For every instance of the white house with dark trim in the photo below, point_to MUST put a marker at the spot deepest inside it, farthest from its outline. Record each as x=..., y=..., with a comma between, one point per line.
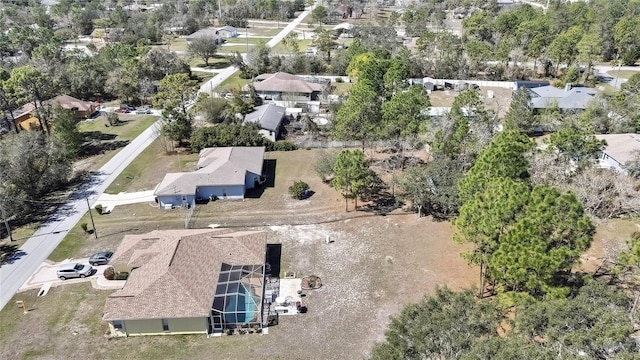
x=224, y=173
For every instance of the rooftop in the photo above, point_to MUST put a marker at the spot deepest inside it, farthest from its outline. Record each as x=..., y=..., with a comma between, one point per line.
x=287, y=83
x=567, y=98
x=176, y=271
x=621, y=147
x=216, y=166
x=267, y=116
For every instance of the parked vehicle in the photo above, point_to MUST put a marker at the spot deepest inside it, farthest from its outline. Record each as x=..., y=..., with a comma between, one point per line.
x=127, y=107
x=101, y=258
x=122, y=111
x=143, y=111
x=74, y=270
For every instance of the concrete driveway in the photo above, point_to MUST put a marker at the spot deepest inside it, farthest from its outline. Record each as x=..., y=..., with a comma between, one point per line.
x=45, y=277
x=110, y=201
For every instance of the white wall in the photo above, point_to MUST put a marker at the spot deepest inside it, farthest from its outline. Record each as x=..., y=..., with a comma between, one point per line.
x=250, y=180
x=175, y=200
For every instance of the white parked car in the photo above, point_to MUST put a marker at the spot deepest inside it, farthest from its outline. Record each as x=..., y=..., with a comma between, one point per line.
x=74, y=270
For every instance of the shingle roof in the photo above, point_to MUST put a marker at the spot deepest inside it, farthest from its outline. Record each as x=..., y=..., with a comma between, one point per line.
x=267, y=116
x=180, y=270
x=621, y=147
x=216, y=166
x=71, y=103
x=286, y=83
x=574, y=98
x=209, y=32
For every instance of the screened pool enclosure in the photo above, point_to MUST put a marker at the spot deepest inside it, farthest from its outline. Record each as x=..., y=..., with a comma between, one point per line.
x=238, y=299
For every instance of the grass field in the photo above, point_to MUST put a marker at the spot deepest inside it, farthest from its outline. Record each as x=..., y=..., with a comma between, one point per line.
x=623, y=74
x=232, y=82
x=218, y=62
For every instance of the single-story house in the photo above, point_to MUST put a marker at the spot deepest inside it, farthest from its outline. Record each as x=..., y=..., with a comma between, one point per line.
x=224, y=172
x=193, y=281
x=25, y=117
x=227, y=32
x=284, y=86
x=268, y=117
x=567, y=99
x=620, y=149
x=208, y=33
x=80, y=107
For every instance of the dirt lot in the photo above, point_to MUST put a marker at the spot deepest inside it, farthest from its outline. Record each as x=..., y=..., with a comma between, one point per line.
x=375, y=266
x=499, y=103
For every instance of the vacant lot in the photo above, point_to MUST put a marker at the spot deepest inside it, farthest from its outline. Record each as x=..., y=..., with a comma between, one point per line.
x=375, y=266
x=499, y=102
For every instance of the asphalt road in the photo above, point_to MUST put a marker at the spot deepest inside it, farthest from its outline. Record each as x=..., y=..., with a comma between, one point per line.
x=26, y=261
x=225, y=73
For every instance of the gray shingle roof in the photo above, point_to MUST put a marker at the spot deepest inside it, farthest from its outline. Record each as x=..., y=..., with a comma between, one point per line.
x=178, y=271
x=216, y=166
x=621, y=147
x=267, y=116
x=574, y=98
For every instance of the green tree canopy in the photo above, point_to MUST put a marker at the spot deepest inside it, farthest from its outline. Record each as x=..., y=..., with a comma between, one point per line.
x=352, y=175
x=359, y=118
x=204, y=48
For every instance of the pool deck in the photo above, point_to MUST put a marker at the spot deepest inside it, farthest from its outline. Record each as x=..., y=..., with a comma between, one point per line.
x=289, y=290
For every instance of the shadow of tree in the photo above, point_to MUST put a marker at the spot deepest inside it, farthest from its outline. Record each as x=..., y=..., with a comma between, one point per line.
x=10, y=253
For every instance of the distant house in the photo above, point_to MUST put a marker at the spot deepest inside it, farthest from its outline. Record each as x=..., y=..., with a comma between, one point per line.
x=25, y=117
x=620, y=149
x=225, y=173
x=567, y=99
x=227, y=32
x=284, y=86
x=195, y=281
x=208, y=33
x=268, y=117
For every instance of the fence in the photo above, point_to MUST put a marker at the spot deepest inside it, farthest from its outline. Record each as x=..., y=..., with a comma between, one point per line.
x=190, y=209
x=482, y=83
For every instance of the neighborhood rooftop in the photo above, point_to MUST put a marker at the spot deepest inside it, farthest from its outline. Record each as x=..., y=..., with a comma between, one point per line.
x=267, y=116
x=621, y=147
x=284, y=82
x=176, y=271
x=216, y=166
x=567, y=98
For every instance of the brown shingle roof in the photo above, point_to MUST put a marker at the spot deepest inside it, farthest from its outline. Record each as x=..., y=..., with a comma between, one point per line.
x=287, y=83
x=621, y=147
x=178, y=271
x=71, y=103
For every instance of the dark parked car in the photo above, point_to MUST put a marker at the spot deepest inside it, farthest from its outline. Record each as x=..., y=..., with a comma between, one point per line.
x=101, y=258
x=127, y=107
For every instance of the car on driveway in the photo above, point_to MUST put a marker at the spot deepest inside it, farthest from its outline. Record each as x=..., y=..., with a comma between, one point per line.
x=143, y=111
x=122, y=111
x=74, y=270
x=101, y=258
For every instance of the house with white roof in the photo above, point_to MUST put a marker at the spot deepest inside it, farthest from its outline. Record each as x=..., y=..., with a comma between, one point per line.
x=224, y=173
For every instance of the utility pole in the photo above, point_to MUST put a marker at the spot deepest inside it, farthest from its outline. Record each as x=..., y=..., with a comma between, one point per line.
x=6, y=222
x=95, y=232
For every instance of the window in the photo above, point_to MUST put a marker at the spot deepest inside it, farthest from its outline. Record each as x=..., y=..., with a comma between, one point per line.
x=117, y=324
x=165, y=325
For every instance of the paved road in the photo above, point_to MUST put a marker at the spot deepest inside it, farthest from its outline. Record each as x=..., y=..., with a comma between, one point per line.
x=225, y=73
x=602, y=70
x=31, y=255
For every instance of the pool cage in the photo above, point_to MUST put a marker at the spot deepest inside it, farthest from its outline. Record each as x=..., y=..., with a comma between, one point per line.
x=237, y=302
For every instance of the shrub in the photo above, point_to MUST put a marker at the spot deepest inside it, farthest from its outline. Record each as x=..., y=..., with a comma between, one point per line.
x=339, y=80
x=99, y=209
x=84, y=227
x=109, y=273
x=284, y=146
x=298, y=189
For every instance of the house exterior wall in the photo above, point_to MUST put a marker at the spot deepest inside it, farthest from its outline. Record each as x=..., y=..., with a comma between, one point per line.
x=270, y=135
x=222, y=192
x=175, y=200
x=250, y=180
x=276, y=95
x=227, y=34
x=177, y=326
x=611, y=163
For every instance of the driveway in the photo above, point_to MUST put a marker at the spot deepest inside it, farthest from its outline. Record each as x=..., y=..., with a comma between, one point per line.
x=45, y=277
x=110, y=201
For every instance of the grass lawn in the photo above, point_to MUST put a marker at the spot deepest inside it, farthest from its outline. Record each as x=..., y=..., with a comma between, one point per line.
x=113, y=138
x=201, y=76
x=341, y=88
x=244, y=41
x=623, y=74
x=233, y=82
x=217, y=62
x=73, y=242
x=261, y=31
x=235, y=48
x=178, y=44
x=282, y=49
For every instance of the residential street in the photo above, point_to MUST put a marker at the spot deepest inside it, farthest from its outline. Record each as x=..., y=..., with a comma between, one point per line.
x=31, y=255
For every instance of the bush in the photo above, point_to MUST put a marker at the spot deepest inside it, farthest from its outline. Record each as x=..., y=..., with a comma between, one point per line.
x=298, y=189
x=339, y=80
x=109, y=273
x=84, y=227
x=284, y=146
x=99, y=209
